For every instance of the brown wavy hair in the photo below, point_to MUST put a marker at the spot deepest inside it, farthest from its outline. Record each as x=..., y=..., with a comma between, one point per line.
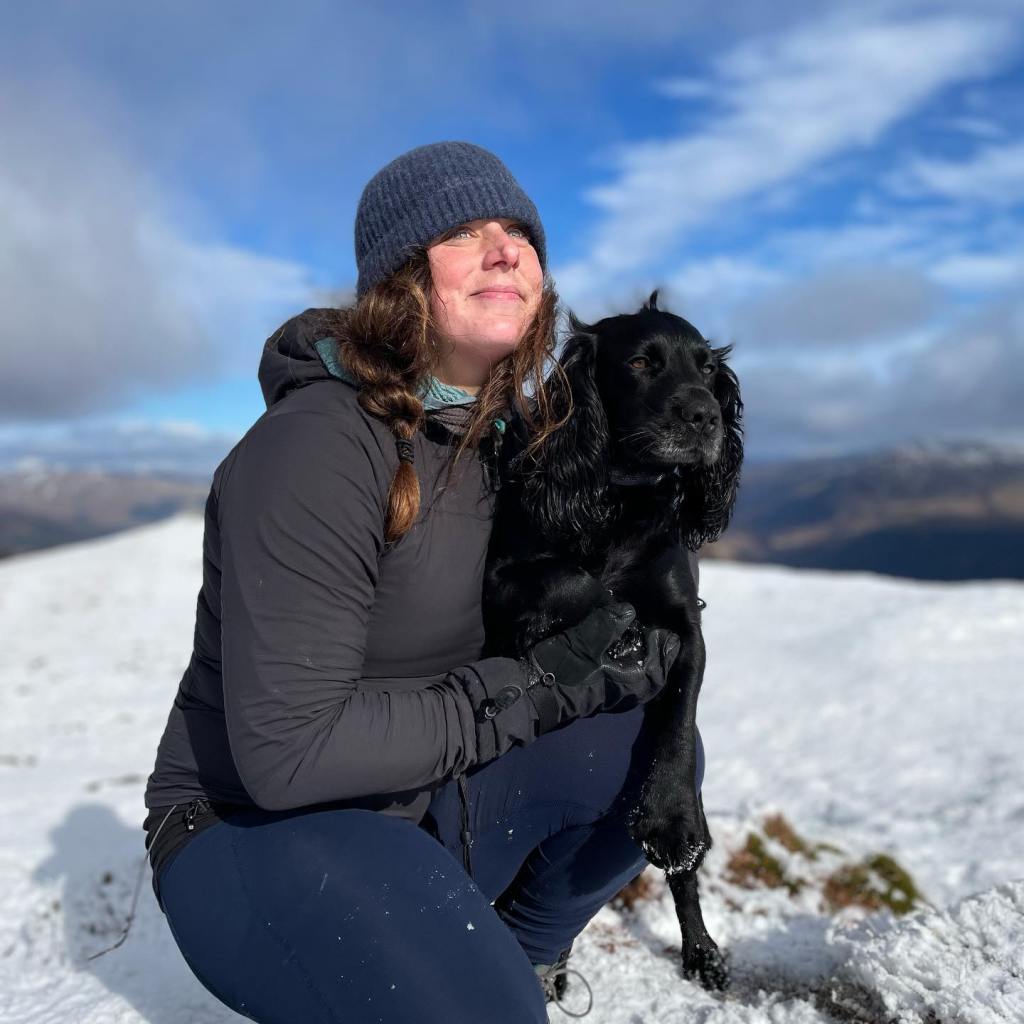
x=389, y=341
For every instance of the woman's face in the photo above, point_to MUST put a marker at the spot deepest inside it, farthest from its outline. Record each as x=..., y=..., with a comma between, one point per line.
x=487, y=284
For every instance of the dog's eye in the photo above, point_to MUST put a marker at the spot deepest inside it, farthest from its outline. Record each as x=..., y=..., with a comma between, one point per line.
x=639, y=362
x=708, y=368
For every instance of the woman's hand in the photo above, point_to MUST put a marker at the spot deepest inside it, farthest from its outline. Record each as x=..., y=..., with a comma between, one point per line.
x=572, y=674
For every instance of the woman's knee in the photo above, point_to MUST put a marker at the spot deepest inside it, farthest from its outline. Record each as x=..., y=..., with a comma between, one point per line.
x=364, y=910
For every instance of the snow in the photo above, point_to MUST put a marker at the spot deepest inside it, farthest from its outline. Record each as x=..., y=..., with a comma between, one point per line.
x=876, y=715
x=979, y=943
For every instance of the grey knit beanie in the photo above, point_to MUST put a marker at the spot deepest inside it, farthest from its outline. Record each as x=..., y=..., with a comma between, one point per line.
x=424, y=193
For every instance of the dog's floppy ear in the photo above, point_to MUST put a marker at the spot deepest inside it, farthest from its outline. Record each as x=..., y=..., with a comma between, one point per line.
x=709, y=492
x=564, y=488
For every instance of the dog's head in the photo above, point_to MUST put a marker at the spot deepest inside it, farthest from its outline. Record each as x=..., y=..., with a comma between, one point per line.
x=649, y=396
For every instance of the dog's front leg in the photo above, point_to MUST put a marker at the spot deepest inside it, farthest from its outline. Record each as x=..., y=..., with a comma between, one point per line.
x=667, y=822
x=701, y=957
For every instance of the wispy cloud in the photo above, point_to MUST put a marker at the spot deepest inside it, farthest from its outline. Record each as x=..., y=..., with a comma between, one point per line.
x=783, y=105
x=981, y=127
x=994, y=175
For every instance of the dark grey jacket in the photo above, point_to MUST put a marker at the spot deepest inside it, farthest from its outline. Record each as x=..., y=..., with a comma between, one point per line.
x=327, y=667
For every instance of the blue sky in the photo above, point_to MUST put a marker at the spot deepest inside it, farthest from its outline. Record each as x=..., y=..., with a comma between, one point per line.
x=838, y=192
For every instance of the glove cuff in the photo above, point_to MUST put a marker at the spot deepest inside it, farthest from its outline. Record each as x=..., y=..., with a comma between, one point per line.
x=541, y=691
x=495, y=688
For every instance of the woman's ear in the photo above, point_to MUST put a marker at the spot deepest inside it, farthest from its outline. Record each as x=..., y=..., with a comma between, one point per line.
x=564, y=488
x=709, y=492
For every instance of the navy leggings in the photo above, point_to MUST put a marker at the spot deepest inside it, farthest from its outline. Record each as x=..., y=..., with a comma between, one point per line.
x=352, y=915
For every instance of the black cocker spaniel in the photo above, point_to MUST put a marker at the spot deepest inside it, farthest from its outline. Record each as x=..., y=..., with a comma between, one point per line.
x=612, y=507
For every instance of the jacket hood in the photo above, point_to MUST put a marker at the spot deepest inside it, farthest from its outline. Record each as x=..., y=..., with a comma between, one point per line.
x=290, y=358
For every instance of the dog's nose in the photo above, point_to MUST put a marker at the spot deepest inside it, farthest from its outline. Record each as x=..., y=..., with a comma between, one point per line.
x=702, y=414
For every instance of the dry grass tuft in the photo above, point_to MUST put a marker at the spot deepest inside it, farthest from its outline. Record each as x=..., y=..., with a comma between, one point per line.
x=641, y=890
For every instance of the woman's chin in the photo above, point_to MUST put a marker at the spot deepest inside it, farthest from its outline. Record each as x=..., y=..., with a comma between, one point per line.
x=498, y=341
x=497, y=349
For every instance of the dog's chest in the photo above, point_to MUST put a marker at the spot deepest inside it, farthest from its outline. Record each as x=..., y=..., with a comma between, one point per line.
x=657, y=576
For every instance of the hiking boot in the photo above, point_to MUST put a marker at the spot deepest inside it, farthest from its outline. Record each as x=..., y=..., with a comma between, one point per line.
x=554, y=979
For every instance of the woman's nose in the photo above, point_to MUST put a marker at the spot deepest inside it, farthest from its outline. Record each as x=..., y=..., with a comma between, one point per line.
x=501, y=248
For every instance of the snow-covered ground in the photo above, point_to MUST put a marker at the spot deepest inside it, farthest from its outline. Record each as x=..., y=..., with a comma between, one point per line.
x=875, y=715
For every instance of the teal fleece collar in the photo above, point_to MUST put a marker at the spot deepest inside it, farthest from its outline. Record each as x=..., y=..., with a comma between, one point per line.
x=434, y=394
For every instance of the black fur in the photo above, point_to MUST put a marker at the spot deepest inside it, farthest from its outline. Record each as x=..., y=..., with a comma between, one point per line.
x=613, y=507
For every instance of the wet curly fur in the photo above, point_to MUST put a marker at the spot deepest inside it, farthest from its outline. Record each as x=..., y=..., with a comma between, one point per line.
x=612, y=507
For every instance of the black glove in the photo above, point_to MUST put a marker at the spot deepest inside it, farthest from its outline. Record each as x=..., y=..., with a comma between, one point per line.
x=573, y=674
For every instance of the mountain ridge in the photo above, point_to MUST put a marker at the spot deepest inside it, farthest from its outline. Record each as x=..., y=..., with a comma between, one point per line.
x=925, y=510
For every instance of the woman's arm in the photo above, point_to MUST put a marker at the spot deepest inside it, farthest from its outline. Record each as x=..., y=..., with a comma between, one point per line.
x=300, y=510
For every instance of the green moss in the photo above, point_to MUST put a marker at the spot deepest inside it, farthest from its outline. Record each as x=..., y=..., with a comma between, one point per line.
x=826, y=847
x=754, y=866
x=876, y=882
x=901, y=894
x=776, y=827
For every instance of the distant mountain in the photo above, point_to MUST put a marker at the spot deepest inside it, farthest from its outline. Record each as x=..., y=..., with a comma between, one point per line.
x=935, y=512
x=41, y=508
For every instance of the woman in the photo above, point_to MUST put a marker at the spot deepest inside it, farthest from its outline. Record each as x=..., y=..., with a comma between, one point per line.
x=336, y=742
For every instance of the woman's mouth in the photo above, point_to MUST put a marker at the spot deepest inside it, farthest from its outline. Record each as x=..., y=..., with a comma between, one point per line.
x=500, y=294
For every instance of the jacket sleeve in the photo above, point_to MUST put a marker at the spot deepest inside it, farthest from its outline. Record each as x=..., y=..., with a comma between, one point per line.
x=301, y=516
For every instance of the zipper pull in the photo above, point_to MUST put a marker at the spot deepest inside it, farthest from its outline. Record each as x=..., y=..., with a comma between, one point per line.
x=190, y=815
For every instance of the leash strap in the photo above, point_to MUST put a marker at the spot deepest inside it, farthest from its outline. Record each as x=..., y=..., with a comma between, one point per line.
x=135, y=895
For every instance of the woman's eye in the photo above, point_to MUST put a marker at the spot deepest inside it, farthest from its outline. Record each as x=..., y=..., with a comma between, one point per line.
x=520, y=231
x=639, y=362
x=461, y=233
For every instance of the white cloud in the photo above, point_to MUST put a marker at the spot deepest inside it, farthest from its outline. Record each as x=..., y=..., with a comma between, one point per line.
x=723, y=277
x=107, y=287
x=978, y=271
x=842, y=306
x=994, y=175
x=816, y=285
x=981, y=127
x=881, y=240
x=788, y=102
x=956, y=251
x=960, y=381
x=707, y=291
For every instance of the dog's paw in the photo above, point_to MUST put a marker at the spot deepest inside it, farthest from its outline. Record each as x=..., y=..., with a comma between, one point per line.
x=671, y=840
x=703, y=961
